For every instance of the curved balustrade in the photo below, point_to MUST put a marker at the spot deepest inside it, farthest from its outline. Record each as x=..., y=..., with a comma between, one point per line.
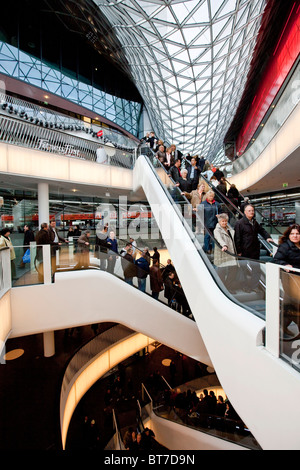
x=170, y=405
x=91, y=362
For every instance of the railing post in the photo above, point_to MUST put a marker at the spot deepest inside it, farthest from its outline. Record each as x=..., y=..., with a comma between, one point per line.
x=71, y=248
x=47, y=264
x=273, y=309
x=6, y=267
x=32, y=247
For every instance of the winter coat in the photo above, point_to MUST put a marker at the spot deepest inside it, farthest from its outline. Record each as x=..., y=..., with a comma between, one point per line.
x=82, y=247
x=246, y=237
x=156, y=280
x=42, y=238
x=142, y=268
x=175, y=173
x=194, y=197
x=288, y=253
x=222, y=236
x=129, y=268
x=101, y=245
x=210, y=213
x=6, y=241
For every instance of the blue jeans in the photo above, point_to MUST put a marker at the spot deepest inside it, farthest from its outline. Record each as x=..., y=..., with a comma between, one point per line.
x=208, y=241
x=142, y=284
x=128, y=280
x=155, y=295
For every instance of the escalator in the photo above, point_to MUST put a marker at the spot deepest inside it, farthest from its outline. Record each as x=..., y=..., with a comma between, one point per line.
x=249, y=286
x=231, y=324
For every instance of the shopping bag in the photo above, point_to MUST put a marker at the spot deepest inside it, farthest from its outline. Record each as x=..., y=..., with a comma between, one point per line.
x=26, y=256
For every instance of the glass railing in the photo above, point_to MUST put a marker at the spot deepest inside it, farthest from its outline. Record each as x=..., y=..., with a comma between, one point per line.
x=39, y=264
x=50, y=140
x=28, y=265
x=175, y=406
x=234, y=213
x=289, y=316
x=241, y=279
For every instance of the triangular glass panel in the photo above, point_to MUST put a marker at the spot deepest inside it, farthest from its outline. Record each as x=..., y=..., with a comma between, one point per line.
x=200, y=14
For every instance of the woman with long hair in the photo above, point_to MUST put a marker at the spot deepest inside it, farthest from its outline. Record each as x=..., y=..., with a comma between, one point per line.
x=288, y=253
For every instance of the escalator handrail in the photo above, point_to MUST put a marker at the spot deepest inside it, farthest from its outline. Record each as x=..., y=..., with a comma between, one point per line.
x=205, y=259
x=196, y=215
x=258, y=211
x=227, y=201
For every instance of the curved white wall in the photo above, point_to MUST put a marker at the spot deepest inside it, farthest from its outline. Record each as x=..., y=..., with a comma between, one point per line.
x=175, y=436
x=92, y=296
x=255, y=381
x=49, y=166
x=283, y=144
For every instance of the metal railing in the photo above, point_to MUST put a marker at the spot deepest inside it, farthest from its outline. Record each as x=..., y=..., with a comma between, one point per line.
x=22, y=109
x=25, y=134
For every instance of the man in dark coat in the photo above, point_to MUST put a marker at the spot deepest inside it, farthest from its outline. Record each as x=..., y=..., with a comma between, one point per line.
x=28, y=237
x=143, y=269
x=129, y=268
x=247, y=244
x=193, y=173
x=174, y=171
x=42, y=238
x=169, y=288
x=101, y=246
x=156, y=280
x=55, y=240
x=246, y=235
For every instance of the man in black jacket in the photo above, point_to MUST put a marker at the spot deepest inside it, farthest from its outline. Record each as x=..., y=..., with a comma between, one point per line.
x=28, y=237
x=42, y=238
x=193, y=173
x=246, y=234
x=174, y=171
x=55, y=240
x=247, y=245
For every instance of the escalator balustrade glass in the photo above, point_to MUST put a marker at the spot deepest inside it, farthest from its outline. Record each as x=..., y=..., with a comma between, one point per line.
x=290, y=317
x=243, y=280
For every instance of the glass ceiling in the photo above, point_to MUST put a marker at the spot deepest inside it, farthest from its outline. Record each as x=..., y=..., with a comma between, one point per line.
x=189, y=60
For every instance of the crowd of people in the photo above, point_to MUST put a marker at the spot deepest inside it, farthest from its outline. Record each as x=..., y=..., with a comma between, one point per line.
x=141, y=265
x=137, y=441
x=191, y=175
x=206, y=410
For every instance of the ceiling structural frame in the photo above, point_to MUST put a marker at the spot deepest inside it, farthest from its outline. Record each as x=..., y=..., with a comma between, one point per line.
x=190, y=61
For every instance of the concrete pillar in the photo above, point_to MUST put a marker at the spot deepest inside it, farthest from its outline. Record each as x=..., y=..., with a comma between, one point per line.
x=43, y=203
x=49, y=343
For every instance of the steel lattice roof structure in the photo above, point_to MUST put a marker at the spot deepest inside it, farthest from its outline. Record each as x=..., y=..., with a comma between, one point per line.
x=189, y=60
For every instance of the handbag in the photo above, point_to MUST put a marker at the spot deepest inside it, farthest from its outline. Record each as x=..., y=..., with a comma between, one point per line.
x=26, y=256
